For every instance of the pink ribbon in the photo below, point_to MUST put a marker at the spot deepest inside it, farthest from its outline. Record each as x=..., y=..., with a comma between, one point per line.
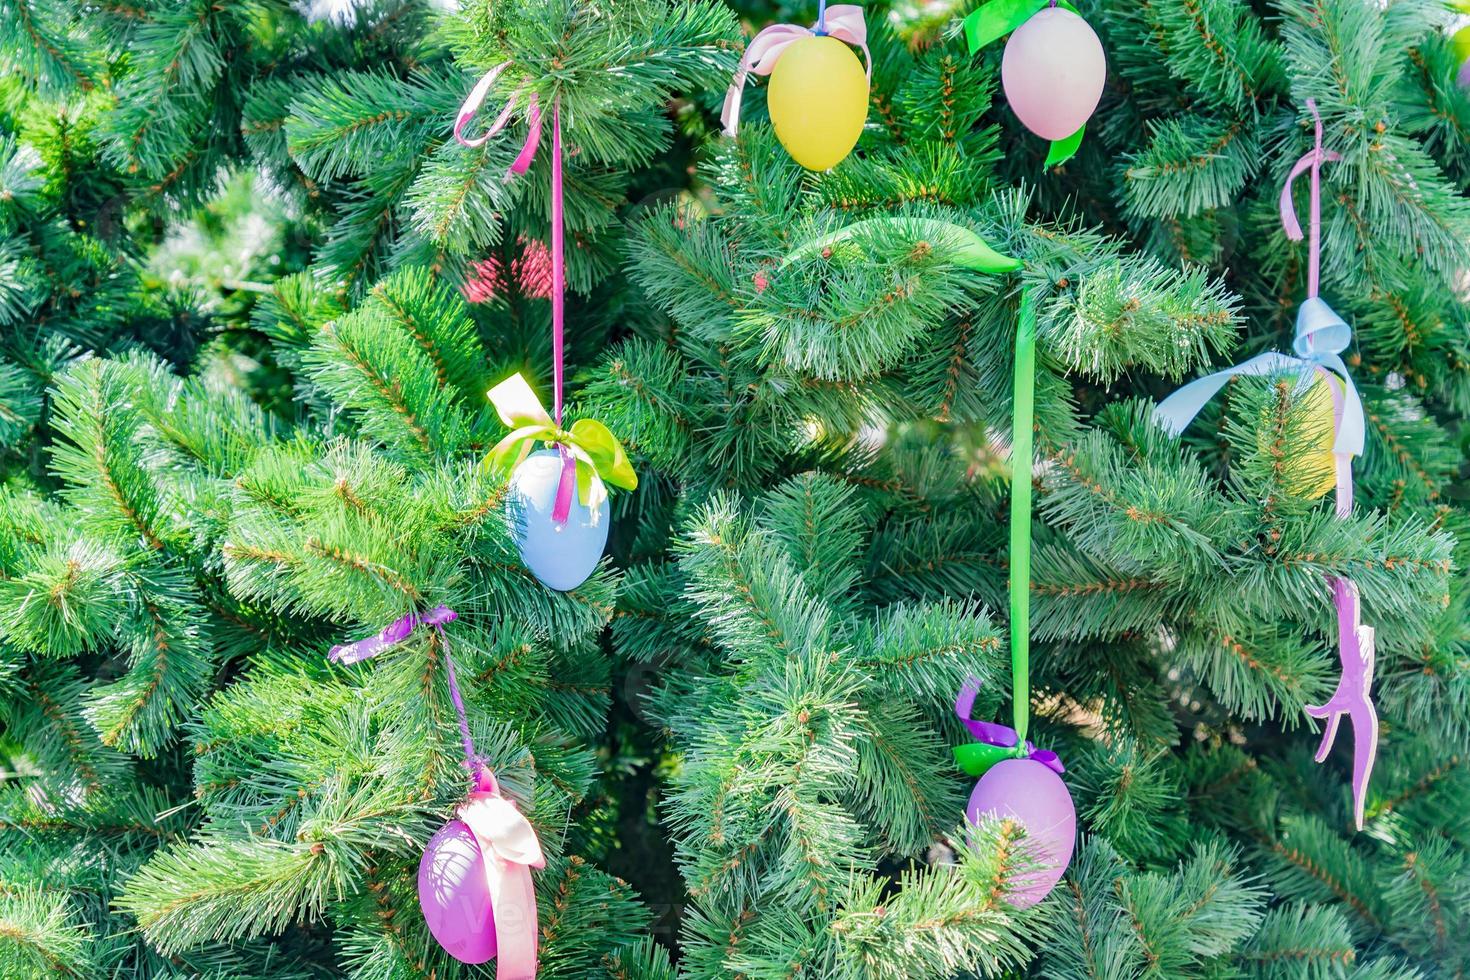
x=1313, y=159
x=844, y=22
x=471, y=107
x=1353, y=697
x=562, y=509
x=510, y=849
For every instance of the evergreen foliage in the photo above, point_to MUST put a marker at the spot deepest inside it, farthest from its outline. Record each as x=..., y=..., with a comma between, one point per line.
x=251, y=296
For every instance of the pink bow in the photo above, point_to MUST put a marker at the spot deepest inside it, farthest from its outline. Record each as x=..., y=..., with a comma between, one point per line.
x=844, y=22
x=510, y=849
x=1313, y=159
x=472, y=106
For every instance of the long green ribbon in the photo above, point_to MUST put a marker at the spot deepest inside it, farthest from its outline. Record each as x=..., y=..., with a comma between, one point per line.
x=994, y=20
x=1023, y=408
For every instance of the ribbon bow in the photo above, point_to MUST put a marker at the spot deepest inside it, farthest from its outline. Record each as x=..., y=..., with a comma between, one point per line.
x=587, y=448
x=1321, y=335
x=844, y=22
x=996, y=742
x=472, y=104
x=510, y=849
x=391, y=635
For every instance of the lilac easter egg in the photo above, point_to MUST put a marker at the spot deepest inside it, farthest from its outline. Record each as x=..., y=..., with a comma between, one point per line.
x=1053, y=72
x=1036, y=796
x=455, y=895
x=562, y=556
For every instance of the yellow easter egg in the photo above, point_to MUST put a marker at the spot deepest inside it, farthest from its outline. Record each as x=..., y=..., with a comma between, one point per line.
x=818, y=100
x=1312, y=472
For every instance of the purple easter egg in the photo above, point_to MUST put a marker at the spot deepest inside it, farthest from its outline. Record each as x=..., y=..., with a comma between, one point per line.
x=1053, y=72
x=1036, y=796
x=455, y=895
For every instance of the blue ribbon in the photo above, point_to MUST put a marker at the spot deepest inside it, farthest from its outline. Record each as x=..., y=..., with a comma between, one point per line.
x=1321, y=337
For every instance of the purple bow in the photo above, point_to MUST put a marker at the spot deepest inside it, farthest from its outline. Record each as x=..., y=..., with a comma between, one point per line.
x=397, y=632
x=1000, y=736
x=394, y=633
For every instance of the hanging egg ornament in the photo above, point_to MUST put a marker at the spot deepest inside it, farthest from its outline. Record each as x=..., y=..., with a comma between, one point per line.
x=818, y=101
x=1311, y=472
x=475, y=885
x=561, y=555
x=1053, y=72
x=453, y=894
x=1033, y=794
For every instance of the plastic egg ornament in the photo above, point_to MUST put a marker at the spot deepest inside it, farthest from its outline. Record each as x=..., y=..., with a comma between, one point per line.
x=1053, y=72
x=1312, y=472
x=455, y=895
x=561, y=555
x=818, y=101
x=1030, y=792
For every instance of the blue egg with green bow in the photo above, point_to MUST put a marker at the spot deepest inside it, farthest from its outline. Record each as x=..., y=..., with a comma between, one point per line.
x=561, y=555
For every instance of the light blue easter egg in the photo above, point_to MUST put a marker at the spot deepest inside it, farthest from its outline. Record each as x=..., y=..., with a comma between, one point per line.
x=562, y=556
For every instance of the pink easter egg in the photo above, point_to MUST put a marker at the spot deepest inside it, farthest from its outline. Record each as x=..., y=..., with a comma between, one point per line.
x=1053, y=72
x=455, y=895
x=1032, y=793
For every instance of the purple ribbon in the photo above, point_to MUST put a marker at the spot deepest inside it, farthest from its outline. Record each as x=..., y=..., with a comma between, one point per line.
x=1000, y=736
x=395, y=633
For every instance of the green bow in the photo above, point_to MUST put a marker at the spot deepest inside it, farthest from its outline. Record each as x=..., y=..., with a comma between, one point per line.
x=591, y=444
x=993, y=21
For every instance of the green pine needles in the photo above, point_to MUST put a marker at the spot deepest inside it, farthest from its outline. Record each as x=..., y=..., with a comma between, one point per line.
x=252, y=294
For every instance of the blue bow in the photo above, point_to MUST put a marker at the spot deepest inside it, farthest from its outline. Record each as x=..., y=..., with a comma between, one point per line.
x=1321, y=337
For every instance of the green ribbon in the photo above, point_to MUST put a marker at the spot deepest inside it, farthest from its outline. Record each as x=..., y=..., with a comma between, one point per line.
x=965, y=247
x=1023, y=408
x=992, y=21
x=977, y=758
x=591, y=444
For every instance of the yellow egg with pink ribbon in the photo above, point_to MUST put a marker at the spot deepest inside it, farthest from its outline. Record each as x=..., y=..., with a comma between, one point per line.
x=818, y=93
